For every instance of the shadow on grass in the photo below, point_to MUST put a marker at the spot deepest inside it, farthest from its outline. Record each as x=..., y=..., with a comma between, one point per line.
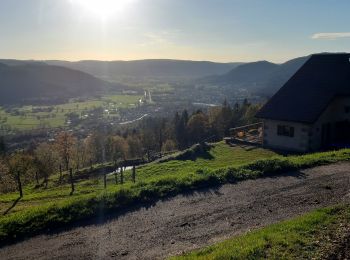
x=196, y=152
x=12, y=206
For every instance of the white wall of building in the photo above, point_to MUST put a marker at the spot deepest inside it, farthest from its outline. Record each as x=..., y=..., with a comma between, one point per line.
x=307, y=137
x=299, y=142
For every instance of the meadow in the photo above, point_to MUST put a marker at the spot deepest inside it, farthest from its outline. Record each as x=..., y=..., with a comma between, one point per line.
x=195, y=168
x=221, y=155
x=33, y=117
x=304, y=237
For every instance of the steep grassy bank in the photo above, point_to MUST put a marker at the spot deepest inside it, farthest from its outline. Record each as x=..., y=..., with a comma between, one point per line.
x=305, y=237
x=215, y=157
x=156, y=180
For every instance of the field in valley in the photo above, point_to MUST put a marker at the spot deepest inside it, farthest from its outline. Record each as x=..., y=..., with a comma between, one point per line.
x=33, y=117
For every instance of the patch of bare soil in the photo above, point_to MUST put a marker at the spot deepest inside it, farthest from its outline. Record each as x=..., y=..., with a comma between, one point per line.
x=336, y=244
x=193, y=220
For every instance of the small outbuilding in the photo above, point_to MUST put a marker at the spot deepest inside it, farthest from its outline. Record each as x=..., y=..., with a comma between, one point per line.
x=312, y=110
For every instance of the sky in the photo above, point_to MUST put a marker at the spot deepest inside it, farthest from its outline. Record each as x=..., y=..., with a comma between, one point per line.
x=215, y=30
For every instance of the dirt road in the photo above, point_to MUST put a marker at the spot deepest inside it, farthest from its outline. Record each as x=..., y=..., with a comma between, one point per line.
x=190, y=221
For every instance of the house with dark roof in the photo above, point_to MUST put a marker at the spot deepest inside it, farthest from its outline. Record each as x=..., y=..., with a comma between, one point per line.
x=312, y=110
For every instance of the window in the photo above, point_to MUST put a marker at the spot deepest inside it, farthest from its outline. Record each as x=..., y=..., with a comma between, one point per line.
x=285, y=130
x=347, y=109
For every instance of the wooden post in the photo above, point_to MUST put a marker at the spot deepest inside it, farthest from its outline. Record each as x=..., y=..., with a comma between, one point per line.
x=121, y=175
x=105, y=180
x=71, y=181
x=133, y=174
x=116, y=175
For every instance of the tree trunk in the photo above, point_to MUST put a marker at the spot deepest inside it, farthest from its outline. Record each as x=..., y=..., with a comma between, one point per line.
x=78, y=164
x=60, y=172
x=71, y=181
x=19, y=183
x=46, y=181
x=36, y=177
x=67, y=164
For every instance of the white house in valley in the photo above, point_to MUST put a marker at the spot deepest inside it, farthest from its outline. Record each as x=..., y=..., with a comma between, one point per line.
x=312, y=110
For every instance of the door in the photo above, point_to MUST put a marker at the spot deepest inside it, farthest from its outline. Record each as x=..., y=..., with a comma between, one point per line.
x=342, y=133
x=326, y=135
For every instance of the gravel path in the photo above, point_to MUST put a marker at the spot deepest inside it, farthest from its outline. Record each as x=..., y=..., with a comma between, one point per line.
x=190, y=221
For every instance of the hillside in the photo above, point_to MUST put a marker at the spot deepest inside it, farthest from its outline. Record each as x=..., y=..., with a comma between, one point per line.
x=246, y=75
x=37, y=82
x=224, y=190
x=262, y=77
x=159, y=69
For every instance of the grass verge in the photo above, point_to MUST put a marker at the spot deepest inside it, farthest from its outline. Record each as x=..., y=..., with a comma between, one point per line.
x=303, y=237
x=50, y=215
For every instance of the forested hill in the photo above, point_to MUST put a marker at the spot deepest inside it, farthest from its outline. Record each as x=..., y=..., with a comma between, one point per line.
x=161, y=69
x=247, y=74
x=35, y=82
x=262, y=77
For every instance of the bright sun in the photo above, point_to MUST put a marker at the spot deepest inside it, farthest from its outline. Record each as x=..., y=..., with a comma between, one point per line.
x=103, y=8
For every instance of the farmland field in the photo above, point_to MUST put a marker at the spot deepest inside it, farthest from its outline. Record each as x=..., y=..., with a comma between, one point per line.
x=33, y=117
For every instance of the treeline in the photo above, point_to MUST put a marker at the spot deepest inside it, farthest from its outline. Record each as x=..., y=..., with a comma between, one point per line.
x=152, y=135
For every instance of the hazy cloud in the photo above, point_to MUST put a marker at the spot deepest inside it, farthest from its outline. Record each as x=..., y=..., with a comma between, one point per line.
x=330, y=36
x=160, y=37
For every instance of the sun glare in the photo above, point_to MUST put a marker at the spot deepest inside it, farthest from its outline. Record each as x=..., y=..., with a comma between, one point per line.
x=103, y=8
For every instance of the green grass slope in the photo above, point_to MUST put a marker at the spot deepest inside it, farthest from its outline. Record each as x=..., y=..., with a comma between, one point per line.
x=41, y=208
x=304, y=237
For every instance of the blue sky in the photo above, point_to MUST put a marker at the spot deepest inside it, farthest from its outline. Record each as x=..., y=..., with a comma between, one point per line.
x=217, y=30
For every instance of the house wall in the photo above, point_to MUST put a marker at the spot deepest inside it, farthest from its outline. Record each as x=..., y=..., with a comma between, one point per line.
x=298, y=143
x=307, y=137
x=335, y=112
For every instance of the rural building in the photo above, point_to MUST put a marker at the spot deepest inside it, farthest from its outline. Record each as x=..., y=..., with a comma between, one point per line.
x=312, y=110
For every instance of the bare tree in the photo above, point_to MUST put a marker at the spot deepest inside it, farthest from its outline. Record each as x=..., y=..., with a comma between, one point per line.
x=46, y=159
x=18, y=165
x=65, y=143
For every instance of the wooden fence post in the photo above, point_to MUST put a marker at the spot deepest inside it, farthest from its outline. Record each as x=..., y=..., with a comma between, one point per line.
x=116, y=175
x=105, y=179
x=133, y=174
x=121, y=175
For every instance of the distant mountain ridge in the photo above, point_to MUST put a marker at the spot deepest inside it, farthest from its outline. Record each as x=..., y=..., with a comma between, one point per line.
x=248, y=73
x=261, y=77
x=38, y=81
x=162, y=69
